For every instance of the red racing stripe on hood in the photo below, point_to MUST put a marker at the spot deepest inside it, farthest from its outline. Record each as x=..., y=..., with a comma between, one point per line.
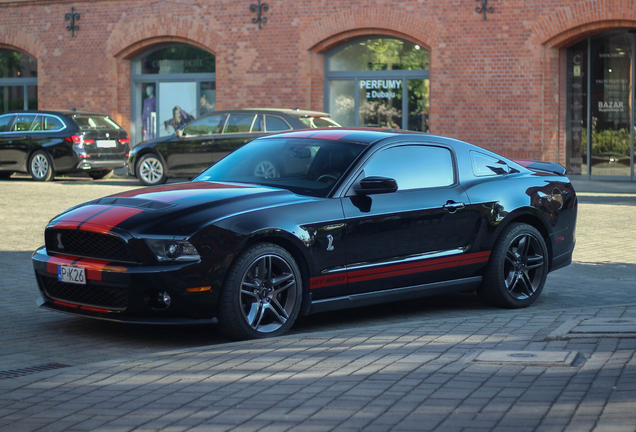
x=75, y=217
x=109, y=218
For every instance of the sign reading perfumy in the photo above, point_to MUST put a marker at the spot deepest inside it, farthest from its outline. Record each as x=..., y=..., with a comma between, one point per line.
x=380, y=88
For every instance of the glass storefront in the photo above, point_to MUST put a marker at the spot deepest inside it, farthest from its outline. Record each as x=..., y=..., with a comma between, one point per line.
x=18, y=81
x=600, y=115
x=172, y=85
x=379, y=82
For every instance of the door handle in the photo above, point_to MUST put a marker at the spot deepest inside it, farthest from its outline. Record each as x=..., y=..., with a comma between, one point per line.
x=452, y=206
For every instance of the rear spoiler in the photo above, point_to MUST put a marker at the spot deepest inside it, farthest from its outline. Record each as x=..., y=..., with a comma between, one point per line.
x=551, y=167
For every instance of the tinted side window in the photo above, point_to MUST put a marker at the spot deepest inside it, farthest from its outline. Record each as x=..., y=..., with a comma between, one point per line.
x=5, y=122
x=273, y=124
x=52, y=123
x=23, y=122
x=238, y=123
x=413, y=166
x=37, y=124
x=205, y=126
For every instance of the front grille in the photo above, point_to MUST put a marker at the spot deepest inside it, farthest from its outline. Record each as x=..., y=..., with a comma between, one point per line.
x=91, y=294
x=88, y=244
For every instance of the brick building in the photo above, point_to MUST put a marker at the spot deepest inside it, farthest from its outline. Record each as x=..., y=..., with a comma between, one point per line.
x=547, y=80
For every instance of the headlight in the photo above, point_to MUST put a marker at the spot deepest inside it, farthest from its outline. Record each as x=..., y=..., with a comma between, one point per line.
x=173, y=250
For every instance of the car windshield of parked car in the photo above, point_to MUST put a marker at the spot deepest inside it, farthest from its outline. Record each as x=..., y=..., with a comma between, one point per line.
x=303, y=166
x=90, y=122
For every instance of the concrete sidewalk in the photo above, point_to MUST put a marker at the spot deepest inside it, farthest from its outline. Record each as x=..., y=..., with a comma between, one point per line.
x=568, y=363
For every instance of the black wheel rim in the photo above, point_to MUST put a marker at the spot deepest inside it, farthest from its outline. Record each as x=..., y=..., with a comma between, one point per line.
x=268, y=293
x=524, y=266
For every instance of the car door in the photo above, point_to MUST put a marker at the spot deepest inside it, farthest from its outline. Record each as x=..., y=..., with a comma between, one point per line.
x=195, y=149
x=15, y=143
x=413, y=236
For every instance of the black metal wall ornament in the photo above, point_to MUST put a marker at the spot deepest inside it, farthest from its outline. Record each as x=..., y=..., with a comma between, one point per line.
x=72, y=17
x=484, y=8
x=259, y=9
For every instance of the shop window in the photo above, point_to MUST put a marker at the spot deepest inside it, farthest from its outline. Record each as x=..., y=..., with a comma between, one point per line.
x=379, y=82
x=599, y=134
x=18, y=81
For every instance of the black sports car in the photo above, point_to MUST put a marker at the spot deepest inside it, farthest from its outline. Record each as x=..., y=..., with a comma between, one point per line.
x=349, y=217
x=46, y=143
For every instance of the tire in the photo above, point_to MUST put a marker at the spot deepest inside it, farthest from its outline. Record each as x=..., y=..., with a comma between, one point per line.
x=517, y=268
x=261, y=294
x=100, y=174
x=151, y=170
x=41, y=167
x=266, y=169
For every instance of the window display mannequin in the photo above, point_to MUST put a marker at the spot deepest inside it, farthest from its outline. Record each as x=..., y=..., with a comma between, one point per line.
x=149, y=113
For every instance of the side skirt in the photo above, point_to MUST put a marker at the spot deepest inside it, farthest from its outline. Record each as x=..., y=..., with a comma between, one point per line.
x=393, y=295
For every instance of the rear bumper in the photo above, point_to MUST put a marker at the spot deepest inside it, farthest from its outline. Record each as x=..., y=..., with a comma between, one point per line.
x=85, y=164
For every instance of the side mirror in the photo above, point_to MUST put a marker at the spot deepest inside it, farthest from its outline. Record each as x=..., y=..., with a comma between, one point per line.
x=376, y=185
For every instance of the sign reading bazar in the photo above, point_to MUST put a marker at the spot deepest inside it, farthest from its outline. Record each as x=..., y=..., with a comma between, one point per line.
x=381, y=88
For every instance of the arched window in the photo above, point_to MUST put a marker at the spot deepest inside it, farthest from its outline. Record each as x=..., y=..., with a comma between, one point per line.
x=18, y=81
x=168, y=79
x=379, y=81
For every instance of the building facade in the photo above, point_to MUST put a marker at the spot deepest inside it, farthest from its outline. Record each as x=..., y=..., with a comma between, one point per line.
x=550, y=80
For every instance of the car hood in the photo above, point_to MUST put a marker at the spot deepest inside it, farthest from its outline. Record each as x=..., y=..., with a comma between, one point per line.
x=172, y=210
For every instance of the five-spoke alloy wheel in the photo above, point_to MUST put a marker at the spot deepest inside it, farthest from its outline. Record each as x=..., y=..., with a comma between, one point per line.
x=262, y=293
x=517, y=268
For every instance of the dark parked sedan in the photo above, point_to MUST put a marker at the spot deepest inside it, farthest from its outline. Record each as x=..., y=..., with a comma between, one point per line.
x=351, y=217
x=206, y=140
x=46, y=143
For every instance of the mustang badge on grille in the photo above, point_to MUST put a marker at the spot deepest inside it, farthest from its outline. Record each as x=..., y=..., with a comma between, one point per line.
x=60, y=245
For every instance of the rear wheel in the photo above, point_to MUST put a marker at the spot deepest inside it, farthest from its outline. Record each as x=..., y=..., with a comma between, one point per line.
x=41, y=167
x=100, y=174
x=151, y=171
x=517, y=269
x=261, y=295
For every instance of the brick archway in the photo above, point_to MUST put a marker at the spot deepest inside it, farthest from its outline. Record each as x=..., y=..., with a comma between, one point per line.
x=331, y=31
x=573, y=23
x=128, y=40
x=20, y=41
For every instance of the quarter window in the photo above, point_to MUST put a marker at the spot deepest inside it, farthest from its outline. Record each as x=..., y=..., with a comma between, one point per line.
x=52, y=124
x=273, y=124
x=484, y=165
x=413, y=167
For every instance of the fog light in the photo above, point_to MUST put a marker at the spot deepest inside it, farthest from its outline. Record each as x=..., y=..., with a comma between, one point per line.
x=166, y=298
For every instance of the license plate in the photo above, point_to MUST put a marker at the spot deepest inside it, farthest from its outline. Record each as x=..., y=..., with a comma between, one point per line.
x=71, y=274
x=106, y=143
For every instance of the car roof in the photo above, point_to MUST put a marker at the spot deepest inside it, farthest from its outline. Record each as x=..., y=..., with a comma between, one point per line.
x=288, y=111
x=67, y=112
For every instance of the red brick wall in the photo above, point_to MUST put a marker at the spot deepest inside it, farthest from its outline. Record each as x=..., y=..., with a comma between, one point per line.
x=495, y=82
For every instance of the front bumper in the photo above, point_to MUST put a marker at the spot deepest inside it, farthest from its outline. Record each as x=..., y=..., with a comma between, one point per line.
x=127, y=293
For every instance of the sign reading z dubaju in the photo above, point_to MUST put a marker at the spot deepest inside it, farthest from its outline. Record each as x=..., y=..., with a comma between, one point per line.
x=381, y=88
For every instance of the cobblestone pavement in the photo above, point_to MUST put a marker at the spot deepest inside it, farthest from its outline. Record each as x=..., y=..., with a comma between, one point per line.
x=404, y=367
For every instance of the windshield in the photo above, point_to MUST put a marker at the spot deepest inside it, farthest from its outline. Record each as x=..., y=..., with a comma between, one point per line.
x=303, y=166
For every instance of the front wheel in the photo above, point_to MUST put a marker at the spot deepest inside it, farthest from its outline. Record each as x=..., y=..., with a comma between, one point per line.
x=517, y=269
x=261, y=295
x=41, y=167
x=151, y=171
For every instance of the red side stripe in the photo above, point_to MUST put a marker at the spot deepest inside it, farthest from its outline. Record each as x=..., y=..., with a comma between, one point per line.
x=398, y=270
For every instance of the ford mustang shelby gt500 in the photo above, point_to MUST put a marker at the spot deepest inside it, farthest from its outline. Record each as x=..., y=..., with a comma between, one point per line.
x=310, y=221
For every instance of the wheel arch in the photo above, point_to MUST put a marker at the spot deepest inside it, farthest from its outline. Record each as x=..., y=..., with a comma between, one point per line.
x=292, y=245
x=532, y=218
x=144, y=152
